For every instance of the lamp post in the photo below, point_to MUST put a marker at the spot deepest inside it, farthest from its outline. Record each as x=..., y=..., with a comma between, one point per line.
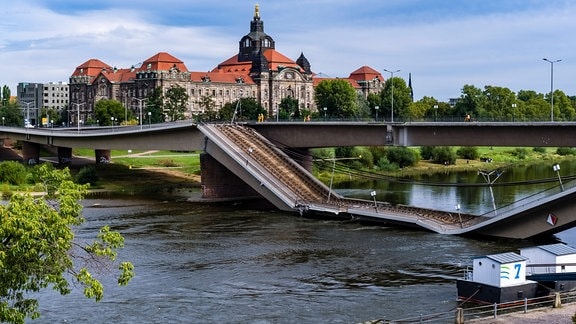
x=486, y=175
x=373, y=194
x=392, y=93
x=149, y=119
x=140, y=104
x=551, y=86
x=28, y=110
x=376, y=109
x=3, y=119
x=112, y=119
x=513, y=112
x=556, y=167
x=325, y=110
x=78, y=110
x=435, y=113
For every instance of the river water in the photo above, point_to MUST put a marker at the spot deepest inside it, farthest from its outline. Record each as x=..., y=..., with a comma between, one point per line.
x=200, y=263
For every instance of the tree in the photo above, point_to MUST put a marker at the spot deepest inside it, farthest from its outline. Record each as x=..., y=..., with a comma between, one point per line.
x=402, y=98
x=338, y=97
x=497, y=104
x=208, y=106
x=105, y=109
x=5, y=95
x=176, y=101
x=38, y=251
x=155, y=105
x=470, y=102
x=289, y=108
x=11, y=114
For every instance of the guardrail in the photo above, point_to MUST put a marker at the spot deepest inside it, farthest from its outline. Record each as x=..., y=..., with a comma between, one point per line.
x=462, y=314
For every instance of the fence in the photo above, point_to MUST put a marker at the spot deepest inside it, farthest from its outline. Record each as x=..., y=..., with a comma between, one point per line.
x=463, y=313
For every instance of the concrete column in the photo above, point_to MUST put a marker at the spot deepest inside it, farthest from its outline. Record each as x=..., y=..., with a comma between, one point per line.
x=459, y=316
x=557, y=300
x=31, y=153
x=218, y=182
x=64, y=156
x=102, y=156
x=302, y=156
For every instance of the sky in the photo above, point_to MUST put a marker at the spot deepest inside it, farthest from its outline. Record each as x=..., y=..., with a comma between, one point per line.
x=442, y=44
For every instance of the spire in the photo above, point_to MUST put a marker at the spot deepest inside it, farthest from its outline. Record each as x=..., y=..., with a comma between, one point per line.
x=257, y=12
x=410, y=86
x=302, y=61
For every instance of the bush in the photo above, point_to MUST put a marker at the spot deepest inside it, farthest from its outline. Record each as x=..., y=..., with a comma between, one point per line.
x=539, y=150
x=468, y=152
x=87, y=175
x=13, y=172
x=443, y=155
x=402, y=156
x=426, y=152
x=565, y=151
x=385, y=165
x=520, y=153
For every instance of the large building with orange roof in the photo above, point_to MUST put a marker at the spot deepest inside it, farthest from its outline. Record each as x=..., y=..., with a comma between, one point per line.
x=257, y=71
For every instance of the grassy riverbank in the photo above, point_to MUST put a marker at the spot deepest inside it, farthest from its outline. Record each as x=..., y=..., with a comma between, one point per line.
x=143, y=170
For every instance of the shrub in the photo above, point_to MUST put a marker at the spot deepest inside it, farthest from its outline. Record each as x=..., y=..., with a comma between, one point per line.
x=539, y=150
x=443, y=155
x=468, y=152
x=565, y=151
x=87, y=175
x=402, y=156
x=521, y=153
x=12, y=172
x=426, y=152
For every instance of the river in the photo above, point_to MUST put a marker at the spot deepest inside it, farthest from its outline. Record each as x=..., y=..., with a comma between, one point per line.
x=201, y=263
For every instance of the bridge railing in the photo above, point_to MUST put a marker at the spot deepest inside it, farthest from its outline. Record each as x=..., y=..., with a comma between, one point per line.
x=537, y=197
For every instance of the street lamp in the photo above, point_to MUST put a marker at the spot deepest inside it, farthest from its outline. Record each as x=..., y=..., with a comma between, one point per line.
x=551, y=86
x=325, y=109
x=3, y=119
x=435, y=112
x=513, y=112
x=140, y=102
x=392, y=96
x=28, y=110
x=556, y=167
x=78, y=110
x=149, y=119
x=373, y=194
x=112, y=119
x=376, y=109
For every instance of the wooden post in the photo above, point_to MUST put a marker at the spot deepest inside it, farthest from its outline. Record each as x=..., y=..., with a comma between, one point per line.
x=459, y=316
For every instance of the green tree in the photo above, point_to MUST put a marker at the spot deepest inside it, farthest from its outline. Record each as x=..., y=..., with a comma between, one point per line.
x=338, y=97
x=11, y=114
x=497, y=104
x=289, y=108
x=208, y=106
x=563, y=109
x=402, y=98
x=105, y=109
x=175, y=103
x=5, y=95
x=155, y=106
x=532, y=106
x=470, y=102
x=38, y=251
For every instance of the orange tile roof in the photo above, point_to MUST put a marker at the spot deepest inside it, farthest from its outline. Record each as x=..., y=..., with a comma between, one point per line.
x=365, y=73
x=163, y=61
x=120, y=75
x=92, y=68
x=275, y=60
x=232, y=65
x=220, y=77
x=352, y=82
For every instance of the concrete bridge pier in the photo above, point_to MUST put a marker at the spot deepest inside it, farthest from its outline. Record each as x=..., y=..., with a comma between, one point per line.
x=302, y=156
x=64, y=156
x=102, y=156
x=218, y=182
x=30, y=153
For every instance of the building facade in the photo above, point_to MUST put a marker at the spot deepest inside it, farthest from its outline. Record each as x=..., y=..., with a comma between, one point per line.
x=257, y=71
x=32, y=97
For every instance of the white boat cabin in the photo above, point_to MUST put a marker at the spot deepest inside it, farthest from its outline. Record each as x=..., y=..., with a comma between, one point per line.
x=500, y=270
x=551, y=258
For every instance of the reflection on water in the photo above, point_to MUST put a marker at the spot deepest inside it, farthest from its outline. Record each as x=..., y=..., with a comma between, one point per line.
x=205, y=264
x=199, y=263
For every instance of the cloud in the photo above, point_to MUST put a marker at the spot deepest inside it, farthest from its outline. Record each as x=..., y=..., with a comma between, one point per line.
x=444, y=45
